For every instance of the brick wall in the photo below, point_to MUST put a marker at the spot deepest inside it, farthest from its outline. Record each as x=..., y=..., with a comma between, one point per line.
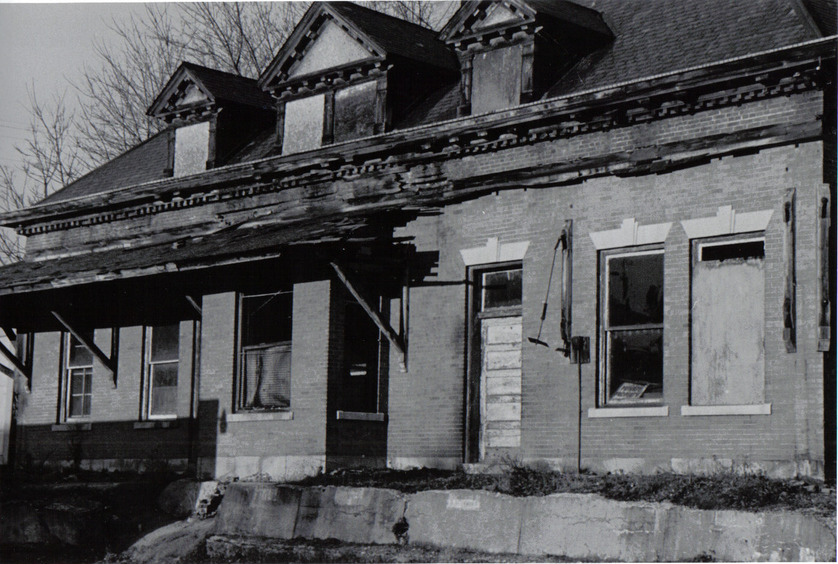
x=426, y=404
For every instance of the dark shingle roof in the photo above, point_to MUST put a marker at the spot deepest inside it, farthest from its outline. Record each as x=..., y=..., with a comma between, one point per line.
x=397, y=36
x=657, y=36
x=230, y=87
x=144, y=163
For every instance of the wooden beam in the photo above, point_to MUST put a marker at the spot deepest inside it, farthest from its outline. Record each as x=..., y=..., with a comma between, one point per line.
x=12, y=357
x=10, y=333
x=7, y=371
x=376, y=317
x=90, y=345
x=194, y=304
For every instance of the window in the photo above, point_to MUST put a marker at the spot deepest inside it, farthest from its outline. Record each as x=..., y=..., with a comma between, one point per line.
x=303, y=124
x=265, y=351
x=500, y=289
x=631, y=334
x=728, y=321
x=78, y=377
x=191, y=148
x=496, y=79
x=162, y=353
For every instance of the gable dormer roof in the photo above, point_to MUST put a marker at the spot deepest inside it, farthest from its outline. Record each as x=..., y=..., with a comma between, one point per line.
x=369, y=35
x=478, y=17
x=193, y=87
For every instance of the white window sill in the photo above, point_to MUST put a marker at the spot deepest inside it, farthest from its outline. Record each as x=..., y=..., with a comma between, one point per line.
x=359, y=416
x=608, y=412
x=156, y=424
x=696, y=410
x=71, y=426
x=260, y=416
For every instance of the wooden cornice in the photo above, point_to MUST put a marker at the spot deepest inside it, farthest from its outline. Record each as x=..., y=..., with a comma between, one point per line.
x=733, y=82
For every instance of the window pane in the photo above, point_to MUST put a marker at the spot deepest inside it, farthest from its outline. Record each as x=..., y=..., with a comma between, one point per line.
x=76, y=406
x=635, y=290
x=635, y=365
x=266, y=319
x=164, y=375
x=502, y=288
x=267, y=377
x=164, y=342
x=78, y=354
x=76, y=382
x=164, y=389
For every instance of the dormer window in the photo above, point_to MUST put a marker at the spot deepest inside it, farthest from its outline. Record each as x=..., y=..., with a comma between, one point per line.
x=347, y=72
x=212, y=114
x=512, y=51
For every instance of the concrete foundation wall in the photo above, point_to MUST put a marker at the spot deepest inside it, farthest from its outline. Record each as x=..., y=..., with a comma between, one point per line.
x=573, y=525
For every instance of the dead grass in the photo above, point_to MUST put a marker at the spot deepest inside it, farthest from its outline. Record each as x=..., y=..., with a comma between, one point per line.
x=725, y=490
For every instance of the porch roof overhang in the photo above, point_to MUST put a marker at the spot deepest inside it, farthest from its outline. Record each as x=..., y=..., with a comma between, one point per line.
x=236, y=245
x=651, y=94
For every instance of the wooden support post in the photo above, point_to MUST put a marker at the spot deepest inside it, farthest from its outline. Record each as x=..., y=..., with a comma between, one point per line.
x=10, y=333
x=376, y=317
x=280, y=126
x=90, y=345
x=328, y=136
x=824, y=321
x=789, y=305
x=18, y=364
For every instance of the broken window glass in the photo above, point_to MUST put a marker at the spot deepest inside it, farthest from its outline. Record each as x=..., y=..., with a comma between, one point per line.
x=265, y=370
x=500, y=288
x=633, y=328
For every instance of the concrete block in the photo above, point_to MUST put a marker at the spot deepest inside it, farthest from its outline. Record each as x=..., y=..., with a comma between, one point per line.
x=298, y=467
x=587, y=526
x=259, y=509
x=362, y=515
x=274, y=466
x=474, y=520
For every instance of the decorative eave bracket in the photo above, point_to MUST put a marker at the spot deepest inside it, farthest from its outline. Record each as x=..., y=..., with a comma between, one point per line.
x=107, y=362
x=395, y=339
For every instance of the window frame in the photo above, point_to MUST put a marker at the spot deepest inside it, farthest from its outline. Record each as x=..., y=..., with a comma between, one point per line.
x=68, y=373
x=148, y=373
x=239, y=388
x=604, y=399
x=478, y=273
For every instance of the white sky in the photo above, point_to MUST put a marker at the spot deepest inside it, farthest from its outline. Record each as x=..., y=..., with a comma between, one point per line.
x=45, y=45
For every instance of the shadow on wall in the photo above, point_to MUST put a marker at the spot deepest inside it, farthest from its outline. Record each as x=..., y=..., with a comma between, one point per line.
x=121, y=446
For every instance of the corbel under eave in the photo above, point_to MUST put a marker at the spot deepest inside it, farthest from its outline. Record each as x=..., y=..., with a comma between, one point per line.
x=90, y=345
x=375, y=315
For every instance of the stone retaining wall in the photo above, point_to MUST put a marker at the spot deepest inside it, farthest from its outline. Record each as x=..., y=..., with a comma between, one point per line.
x=573, y=525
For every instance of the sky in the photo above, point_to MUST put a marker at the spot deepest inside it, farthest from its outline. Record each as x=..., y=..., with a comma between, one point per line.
x=46, y=46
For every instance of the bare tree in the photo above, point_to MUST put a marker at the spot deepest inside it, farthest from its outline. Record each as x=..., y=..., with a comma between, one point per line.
x=49, y=159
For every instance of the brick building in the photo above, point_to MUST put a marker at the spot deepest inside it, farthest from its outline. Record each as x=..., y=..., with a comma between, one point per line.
x=572, y=232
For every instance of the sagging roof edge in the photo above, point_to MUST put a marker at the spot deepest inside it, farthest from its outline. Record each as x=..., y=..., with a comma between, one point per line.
x=577, y=101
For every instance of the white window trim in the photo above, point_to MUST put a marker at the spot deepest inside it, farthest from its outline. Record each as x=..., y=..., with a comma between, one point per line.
x=359, y=416
x=604, y=330
x=727, y=222
x=494, y=251
x=630, y=234
x=149, y=381
x=246, y=416
x=608, y=412
x=67, y=369
x=751, y=409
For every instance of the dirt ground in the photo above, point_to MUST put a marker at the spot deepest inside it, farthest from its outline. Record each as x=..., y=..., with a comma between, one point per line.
x=249, y=550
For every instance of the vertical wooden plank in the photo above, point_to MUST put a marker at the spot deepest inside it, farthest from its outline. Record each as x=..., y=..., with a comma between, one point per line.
x=382, y=118
x=170, y=156
x=329, y=118
x=567, y=284
x=789, y=302
x=824, y=321
x=528, y=55
x=211, y=143
x=280, y=126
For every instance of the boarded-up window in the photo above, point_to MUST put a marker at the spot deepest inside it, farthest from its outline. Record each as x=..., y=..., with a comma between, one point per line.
x=265, y=353
x=303, y=124
x=355, y=111
x=496, y=79
x=632, y=328
x=191, y=148
x=163, y=348
x=728, y=322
